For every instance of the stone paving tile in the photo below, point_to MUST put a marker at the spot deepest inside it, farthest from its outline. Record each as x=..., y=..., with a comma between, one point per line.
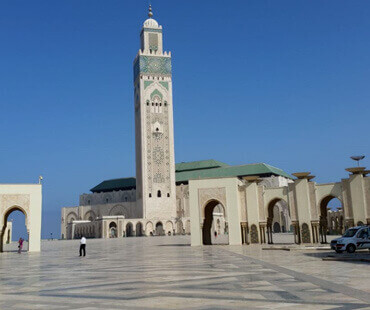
x=165, y=273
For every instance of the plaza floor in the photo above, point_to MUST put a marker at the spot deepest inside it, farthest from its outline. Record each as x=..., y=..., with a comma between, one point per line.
x=166, y=273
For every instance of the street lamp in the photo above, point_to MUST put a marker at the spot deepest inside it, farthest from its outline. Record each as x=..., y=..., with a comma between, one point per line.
x=358, y=158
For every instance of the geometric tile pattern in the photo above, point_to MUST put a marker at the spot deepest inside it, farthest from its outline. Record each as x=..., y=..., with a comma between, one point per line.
x=152, y=65
x=166, y=273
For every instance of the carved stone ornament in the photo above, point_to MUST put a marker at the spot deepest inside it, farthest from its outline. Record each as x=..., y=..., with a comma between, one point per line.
x=8, y=202
x=207, y=194
x=254, y=234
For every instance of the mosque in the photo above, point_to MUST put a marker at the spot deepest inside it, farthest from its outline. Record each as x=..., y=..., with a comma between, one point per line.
x=241, y=204
x=156, y=201
x=208, y=199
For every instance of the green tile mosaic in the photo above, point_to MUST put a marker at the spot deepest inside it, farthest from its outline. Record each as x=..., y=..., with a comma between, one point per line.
x=157, y=65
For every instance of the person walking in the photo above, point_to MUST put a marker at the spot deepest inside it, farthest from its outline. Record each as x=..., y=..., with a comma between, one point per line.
x=83, y=246
x=20, y=245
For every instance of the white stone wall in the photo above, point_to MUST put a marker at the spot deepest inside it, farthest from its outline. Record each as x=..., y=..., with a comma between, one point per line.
x=110, y=197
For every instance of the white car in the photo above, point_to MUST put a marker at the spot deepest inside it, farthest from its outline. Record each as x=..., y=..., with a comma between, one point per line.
x=354, y=238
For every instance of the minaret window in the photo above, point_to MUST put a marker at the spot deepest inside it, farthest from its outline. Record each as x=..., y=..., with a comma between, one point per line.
x=159, y=194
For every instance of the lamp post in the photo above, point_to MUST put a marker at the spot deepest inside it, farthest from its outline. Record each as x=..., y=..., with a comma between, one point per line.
x=358, y=158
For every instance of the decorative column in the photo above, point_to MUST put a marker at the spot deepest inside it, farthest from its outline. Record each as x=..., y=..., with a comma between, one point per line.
x=263, y=232
x=297, y=235
x=315, y=231
x=256, y=221
x=244, y=227
x=358, y=199
x=303, y=199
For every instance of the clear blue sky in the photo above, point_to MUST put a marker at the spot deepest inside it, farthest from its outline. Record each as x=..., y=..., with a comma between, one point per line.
x=281, y=82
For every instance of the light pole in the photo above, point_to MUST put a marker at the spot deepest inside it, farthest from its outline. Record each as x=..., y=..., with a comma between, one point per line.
x=358, y=158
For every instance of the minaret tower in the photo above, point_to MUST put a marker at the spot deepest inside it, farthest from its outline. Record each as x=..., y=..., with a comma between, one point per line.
x=155, y=159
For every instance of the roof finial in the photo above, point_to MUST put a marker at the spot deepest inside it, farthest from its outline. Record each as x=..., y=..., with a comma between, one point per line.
x=150, y=14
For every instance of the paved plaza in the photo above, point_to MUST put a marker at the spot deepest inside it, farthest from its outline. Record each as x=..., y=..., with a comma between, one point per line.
x=166, y=273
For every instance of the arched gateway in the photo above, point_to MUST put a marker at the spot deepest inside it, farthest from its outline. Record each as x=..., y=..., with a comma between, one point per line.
x=26, y=199
x=254, y=207
x=214, y=224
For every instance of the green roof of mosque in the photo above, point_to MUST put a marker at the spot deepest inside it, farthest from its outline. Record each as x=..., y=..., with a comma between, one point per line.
x=197, y=165
x=115, y=185
x=260, y=169
x=204, y=169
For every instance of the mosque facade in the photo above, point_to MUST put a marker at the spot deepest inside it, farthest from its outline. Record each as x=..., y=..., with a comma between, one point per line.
x=208, y=198
x=156, y=202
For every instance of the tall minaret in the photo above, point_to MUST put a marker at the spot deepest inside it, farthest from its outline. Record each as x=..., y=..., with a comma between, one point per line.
x=155, y=159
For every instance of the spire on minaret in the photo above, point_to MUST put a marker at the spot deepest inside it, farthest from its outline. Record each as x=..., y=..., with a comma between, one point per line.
x=150, y=14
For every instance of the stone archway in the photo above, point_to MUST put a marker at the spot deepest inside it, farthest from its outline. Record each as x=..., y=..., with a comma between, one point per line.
x=277, y=218
x=72, y=216
x=129, y=229
x=139, y=229
x=159, y=231
x=112, y=230
x=119, y=210
x=90, y=216
x=325, y=218
x=213, y=209
x=6, y=215
x=169, y=228
x=149, y=229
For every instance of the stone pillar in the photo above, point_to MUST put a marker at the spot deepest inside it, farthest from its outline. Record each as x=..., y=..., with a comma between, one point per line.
x=244, y=227
x=358, y=199
x=315, y=231
x=303, y=205
x=263, y=232
x=253, y=210
x=297, y=235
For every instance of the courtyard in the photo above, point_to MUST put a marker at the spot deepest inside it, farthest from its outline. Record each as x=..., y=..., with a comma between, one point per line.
x=166, y=273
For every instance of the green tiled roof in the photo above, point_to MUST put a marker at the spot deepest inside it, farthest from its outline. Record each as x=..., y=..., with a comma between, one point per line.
x=260, y=169
x=197, y=165
x=204, y=169
x=115, y=185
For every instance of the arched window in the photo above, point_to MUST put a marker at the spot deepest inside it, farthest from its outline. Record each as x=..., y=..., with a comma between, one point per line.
x=159, y=194
x=150, y=195
x=168, y=194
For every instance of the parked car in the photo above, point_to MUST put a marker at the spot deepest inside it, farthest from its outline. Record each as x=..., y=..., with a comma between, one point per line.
x=354, y=238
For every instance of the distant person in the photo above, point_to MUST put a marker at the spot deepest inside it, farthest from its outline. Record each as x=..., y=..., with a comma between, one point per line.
x=20, y=245
x=83, y=246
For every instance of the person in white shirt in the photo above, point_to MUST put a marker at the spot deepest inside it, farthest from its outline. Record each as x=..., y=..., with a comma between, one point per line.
x=83, y=246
